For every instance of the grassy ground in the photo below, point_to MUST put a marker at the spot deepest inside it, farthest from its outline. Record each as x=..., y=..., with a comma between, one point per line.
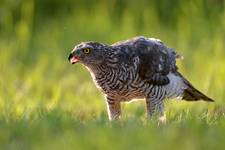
x=65, y=130
x=46, y=103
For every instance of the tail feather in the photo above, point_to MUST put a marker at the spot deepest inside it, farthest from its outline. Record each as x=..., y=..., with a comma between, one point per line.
x=192, y=94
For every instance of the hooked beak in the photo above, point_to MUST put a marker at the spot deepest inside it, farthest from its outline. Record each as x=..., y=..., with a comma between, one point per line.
x=73, y=59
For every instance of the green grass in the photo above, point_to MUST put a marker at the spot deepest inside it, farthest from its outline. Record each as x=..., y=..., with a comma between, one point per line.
x=57, y=129
x=46, y=103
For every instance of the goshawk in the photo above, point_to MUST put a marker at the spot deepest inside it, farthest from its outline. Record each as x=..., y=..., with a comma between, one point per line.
x=138, y=68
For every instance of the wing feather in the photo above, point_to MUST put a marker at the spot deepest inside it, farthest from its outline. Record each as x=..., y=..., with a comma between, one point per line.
x=156, y=59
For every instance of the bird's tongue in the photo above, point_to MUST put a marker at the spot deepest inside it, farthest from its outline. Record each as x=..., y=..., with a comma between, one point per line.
x=74, y=60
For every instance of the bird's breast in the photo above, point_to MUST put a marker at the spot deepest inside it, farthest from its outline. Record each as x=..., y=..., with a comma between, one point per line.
x=123, y=82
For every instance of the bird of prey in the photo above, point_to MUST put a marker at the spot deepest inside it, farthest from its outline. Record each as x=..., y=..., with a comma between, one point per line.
x=138, y=68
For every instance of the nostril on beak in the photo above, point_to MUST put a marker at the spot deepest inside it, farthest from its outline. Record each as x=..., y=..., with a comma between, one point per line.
x=70, y=56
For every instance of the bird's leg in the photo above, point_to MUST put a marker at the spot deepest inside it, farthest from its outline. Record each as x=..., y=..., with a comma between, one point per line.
x=161, y=113
x=155, y=106
x=114, y=108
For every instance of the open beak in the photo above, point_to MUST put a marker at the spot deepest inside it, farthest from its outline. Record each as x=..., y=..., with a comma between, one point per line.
x=73, y=59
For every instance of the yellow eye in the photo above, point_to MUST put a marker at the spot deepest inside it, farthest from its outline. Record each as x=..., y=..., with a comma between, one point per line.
x=87, y=50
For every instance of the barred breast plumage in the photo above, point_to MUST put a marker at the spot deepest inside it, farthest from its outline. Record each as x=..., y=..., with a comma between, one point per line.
x=135, y=69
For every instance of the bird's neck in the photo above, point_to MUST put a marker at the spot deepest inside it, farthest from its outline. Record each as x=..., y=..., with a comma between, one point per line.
x=100, y=70
x=110, y=62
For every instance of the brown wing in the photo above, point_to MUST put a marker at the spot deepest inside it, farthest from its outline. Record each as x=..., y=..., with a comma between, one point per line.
x=156, y=61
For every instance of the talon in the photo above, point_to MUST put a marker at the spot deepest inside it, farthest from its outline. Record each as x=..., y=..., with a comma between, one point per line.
x=162, y=119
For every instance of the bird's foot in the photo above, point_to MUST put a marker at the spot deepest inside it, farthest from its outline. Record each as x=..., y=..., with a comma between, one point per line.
x=162, y=119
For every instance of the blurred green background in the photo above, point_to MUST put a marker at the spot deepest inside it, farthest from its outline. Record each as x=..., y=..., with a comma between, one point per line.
x=46, y=103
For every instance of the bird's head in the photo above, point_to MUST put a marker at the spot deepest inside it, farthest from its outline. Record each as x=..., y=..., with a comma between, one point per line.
x=88, y=53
